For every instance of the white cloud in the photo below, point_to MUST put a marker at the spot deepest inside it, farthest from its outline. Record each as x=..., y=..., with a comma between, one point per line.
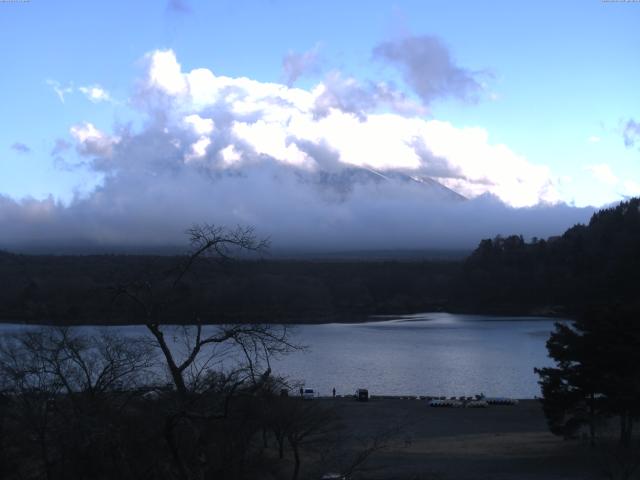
x=273, y=120
x=603, y=173
x=202, y=126
x=630, y=188
x=198, y=149
x=230, y=155
x=268, y=138
x=164, y=73
x=91, y=141
x=594, y=139
x=60, y=90
x=95, y=93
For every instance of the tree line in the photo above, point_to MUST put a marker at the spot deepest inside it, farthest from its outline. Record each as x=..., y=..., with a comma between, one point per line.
x=67, y=290
x=597, y=263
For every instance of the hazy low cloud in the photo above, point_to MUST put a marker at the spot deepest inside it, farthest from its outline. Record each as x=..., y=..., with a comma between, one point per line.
x=132, y=211
x=297, y=64
x=631, y=133
x=427, y=67
x=238, y=151
x=20, y=147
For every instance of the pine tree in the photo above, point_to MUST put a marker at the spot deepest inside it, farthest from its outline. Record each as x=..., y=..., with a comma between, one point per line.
x=596, y=374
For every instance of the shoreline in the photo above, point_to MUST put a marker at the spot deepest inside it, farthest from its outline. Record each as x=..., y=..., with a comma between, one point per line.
x=410, y=398
x=321, y=320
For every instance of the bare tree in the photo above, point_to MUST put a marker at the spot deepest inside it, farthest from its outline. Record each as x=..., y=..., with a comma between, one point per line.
x=64, y=391
x=208, y=365
x=32, y=388
x=255, y=342
x=71, y=362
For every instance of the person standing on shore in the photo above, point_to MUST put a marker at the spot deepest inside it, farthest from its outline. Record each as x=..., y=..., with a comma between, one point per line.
x=334, y=392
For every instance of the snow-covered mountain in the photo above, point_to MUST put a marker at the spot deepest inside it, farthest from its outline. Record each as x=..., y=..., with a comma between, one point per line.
x=342, y=182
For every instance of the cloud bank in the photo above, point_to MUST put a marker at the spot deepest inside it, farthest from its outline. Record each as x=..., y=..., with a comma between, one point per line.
x=338, y=166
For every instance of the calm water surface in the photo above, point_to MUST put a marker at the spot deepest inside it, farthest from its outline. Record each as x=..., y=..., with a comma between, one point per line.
x=425, y=354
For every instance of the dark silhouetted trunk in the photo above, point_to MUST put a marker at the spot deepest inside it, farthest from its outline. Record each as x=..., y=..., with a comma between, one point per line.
x=45, y=456
x=626, y=428
x=173, y=448
x=296, y=457
x=592, y=420
x=280, y=448
x=176, y=373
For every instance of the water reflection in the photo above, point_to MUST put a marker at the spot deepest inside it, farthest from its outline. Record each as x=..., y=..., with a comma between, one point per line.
x=424, y=354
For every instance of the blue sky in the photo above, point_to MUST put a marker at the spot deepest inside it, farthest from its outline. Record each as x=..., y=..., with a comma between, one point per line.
x=558, y=80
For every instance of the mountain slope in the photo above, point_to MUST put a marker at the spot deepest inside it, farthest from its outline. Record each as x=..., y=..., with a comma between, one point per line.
x=343, y=182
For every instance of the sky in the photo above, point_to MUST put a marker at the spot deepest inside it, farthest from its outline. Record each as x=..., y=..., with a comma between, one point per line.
x=123, y=122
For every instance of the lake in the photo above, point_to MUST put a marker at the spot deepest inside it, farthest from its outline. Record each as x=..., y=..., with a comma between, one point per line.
x=424, y=354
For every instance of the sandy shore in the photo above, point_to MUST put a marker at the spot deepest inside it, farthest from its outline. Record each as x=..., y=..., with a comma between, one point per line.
x=499, y=442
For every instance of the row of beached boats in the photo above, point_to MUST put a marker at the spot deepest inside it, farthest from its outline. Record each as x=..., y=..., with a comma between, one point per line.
x=479, y=401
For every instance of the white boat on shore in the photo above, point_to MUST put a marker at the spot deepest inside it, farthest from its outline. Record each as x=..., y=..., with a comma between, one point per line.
x=501, y=401
x=451, y=403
